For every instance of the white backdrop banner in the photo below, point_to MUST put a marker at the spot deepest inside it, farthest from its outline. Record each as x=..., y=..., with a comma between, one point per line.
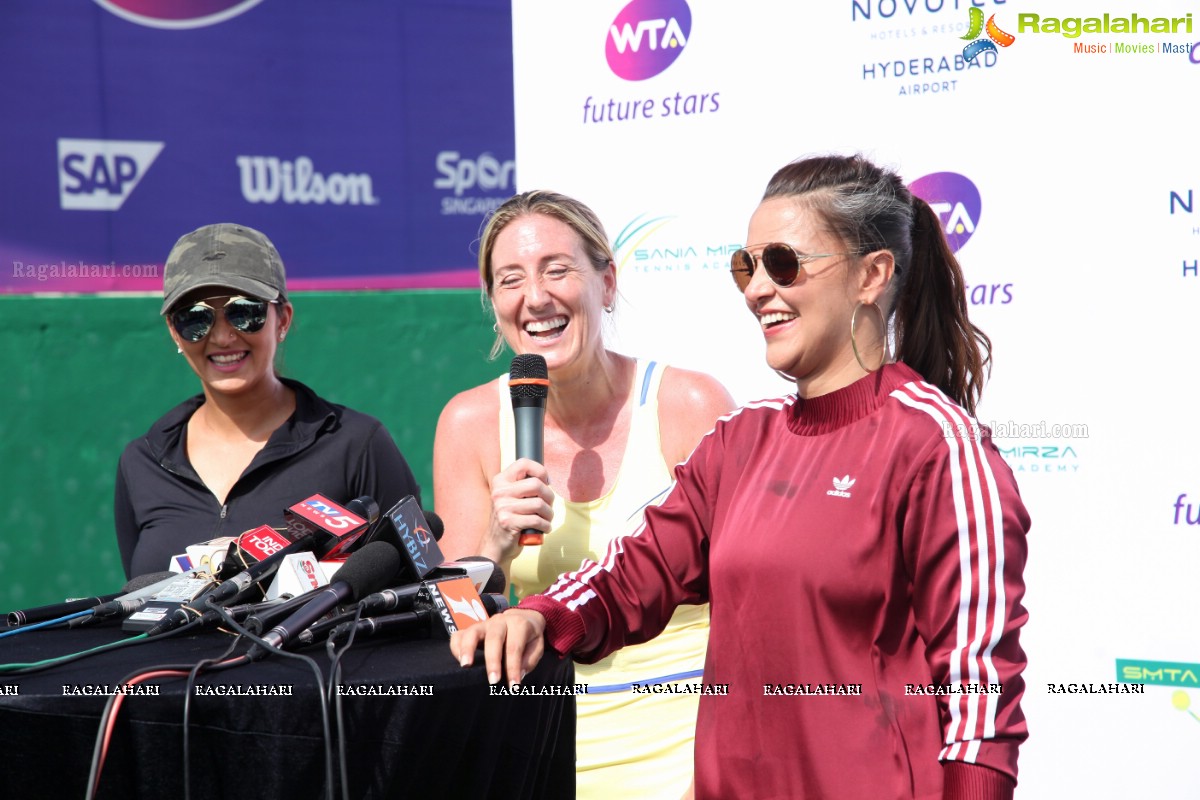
x=1058, y=142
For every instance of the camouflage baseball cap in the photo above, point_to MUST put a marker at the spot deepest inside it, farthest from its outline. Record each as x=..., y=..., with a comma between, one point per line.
x=227, y=255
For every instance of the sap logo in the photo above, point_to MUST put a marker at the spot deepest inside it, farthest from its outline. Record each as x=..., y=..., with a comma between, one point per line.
x=100, y=174
x=646, y=37
x=460, y=174
x=177, y=16
x=955, y=199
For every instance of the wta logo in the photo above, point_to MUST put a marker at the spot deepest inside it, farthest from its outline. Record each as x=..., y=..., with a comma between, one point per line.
x=955, y=199
x=646, y=38
x=177, y=14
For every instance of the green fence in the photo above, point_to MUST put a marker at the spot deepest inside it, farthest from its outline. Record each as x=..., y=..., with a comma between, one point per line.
x=85, y=375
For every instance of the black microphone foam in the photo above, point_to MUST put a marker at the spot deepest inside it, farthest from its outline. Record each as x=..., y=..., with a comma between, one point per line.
x=436, y=526
x=365, y=571
x=529, y=385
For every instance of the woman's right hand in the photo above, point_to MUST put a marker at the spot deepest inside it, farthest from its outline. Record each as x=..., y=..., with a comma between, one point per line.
x=512, y=640
x=521, y=499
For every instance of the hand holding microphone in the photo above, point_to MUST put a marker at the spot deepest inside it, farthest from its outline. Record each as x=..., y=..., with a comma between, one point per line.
x=529, y=386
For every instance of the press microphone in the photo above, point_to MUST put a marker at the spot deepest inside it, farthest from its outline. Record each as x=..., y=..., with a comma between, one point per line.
x=413, y=535
x=529, y=384
x=365, y=571
x=134, y=597
x=425, y=618
x=318, y=525
x=29, y=616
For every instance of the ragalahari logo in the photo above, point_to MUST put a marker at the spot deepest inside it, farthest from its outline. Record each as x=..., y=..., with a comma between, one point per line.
x=646, y=37
x=955, y=199
x=177, y=14
x=976, y=28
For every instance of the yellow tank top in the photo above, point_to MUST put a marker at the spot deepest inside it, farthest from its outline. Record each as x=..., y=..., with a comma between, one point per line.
x=584, y=530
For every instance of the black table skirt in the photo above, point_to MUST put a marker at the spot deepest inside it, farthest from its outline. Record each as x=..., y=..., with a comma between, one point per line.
x=461, y=741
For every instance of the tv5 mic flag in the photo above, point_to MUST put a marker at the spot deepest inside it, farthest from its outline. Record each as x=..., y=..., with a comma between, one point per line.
x=341, y=528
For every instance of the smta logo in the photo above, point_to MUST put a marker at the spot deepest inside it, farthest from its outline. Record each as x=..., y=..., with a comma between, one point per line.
x=955, y=199
x=177, y=14
x=646, y=38
x=100, y=174
x=995, y=36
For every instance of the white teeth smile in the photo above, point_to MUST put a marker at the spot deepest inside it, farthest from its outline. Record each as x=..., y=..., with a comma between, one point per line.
x=775, y=316
x=541, y=326
x=232, y=358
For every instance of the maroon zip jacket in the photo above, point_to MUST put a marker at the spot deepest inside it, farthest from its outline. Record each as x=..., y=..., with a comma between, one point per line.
x=862, y=553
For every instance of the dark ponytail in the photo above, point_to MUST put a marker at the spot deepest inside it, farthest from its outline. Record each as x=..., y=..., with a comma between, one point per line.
x=871, y=209
x=933, y=333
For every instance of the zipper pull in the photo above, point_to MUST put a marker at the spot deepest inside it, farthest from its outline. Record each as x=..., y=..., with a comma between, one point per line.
x=224, y=509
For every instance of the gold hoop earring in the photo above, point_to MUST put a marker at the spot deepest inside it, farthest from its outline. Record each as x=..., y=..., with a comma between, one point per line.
x=854, y=345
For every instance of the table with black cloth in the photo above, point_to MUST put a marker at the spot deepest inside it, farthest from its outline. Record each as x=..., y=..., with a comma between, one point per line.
x=462, y=741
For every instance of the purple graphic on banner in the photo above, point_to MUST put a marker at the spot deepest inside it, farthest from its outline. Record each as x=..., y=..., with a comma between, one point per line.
x=343, y=131
x=177, y=13
x=646, y=38
x=955, y=199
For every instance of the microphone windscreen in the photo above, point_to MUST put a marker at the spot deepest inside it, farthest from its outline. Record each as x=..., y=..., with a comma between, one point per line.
x=365, y=507
x=146, y=579
x=369, y=569
x=528, y=377
x=436, y=526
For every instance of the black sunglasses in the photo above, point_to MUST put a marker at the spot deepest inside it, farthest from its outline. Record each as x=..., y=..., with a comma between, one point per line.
x=781, y=261
x=244, y=314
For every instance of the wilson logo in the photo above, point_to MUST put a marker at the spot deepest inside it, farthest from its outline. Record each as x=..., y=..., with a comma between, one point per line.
x=267, y=179
x=100, y=174
x=841, y=487
x=646, y=37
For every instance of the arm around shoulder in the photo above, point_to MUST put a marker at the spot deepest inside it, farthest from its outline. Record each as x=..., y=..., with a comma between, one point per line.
x=689, y=404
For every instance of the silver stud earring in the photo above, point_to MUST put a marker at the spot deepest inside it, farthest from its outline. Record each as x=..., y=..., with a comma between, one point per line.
x=179, y=350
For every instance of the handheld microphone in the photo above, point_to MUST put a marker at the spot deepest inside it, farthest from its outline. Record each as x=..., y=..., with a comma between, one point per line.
x=529, y=385
x=29, y=616
x=367, y=570
x=136, y=592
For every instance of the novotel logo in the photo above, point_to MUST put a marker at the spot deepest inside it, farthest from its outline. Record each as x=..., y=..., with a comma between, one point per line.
x=646, y=37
